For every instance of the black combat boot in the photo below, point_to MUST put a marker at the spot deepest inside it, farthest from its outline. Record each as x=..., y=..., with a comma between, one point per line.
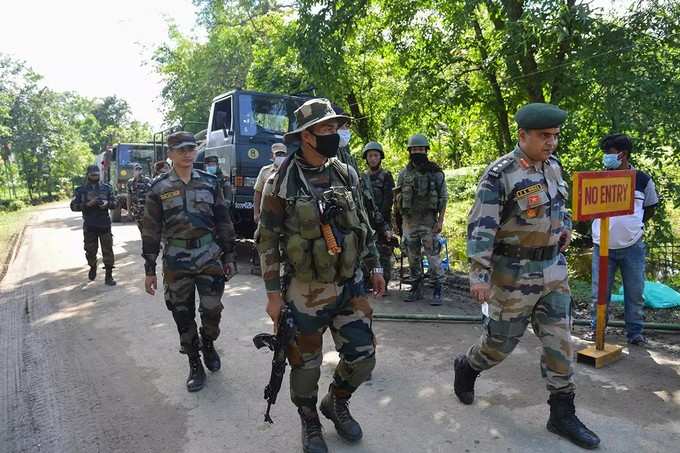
x=93, y=273
x=196, y=379
x=337, y=410
x=437, y=295
x=312, y=438
x=108, y=278
x=416, y=292
x=564, y=422
x=210, y=357
x=464, y=380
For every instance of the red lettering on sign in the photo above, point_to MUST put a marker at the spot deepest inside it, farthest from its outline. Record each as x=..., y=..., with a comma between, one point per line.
x=591, y=195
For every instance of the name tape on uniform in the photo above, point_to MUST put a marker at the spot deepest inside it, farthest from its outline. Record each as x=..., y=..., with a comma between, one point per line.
x=174, y=193
x=600, y=194
x=528, y=190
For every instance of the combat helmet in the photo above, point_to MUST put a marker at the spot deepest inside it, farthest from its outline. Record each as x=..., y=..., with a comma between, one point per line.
x=417, y=140
x=373, y=146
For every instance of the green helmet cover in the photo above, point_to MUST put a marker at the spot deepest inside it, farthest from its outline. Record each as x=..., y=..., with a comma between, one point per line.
x=418, y=140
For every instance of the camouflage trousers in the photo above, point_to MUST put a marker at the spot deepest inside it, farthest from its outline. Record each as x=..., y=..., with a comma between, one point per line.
x=92, y=237
x=344, y=309
x=420, y=240
x=536, y=292
x=385, y=252
x=180, y=285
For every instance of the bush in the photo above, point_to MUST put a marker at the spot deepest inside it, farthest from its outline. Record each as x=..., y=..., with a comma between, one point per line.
x=11, y=205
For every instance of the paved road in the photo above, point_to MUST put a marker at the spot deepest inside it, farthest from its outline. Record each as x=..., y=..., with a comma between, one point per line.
x=88, y=368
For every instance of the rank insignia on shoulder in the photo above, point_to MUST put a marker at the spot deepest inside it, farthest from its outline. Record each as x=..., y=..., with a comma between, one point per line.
x=497, y=169
x=521, y=193
x=173, y=194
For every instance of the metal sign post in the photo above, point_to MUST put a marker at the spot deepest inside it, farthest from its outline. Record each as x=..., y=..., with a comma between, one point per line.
x=602, y=195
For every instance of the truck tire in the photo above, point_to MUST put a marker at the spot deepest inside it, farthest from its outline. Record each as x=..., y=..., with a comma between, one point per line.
x=116, y=214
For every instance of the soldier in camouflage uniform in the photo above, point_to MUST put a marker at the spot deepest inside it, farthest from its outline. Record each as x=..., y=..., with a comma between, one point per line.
x=94, y=200
x=324, y=290
x=379, y=223
x=518, y=227
x=382, y=185
x=212, y=166
x=186, y=208
x=420, y=205
x=137, y=187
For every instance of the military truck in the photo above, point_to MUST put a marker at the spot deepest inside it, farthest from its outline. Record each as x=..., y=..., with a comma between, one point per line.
x=116, y=168
x=241, y=129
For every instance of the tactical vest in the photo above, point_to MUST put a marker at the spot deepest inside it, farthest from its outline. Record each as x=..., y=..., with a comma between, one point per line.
x=305, y=248
x=419, y=192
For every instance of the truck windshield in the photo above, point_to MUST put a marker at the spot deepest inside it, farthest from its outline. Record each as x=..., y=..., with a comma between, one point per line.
x=128, y=154
x=265, y=115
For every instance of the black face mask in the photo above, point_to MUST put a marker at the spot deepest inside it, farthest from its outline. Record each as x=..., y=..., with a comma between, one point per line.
x=93, y=179
x=418, y=159
x=327, y=145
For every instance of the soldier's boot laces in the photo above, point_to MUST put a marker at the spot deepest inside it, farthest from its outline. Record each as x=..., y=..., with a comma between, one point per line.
x=416, y=292
x=108, y=278
x=464, y=380
x=312, y=437
x=92, y=274
x=210, y=356
x=564, y=422
x=337, y=410
x=436, y=295
x=196, y=379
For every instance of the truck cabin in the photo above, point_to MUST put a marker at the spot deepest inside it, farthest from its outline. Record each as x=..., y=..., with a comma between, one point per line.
x=242, y=127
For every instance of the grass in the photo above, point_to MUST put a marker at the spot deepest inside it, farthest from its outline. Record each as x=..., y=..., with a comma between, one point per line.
x=10, y=224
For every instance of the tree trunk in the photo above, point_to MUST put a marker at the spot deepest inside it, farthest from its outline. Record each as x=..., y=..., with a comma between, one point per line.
x=360, y=121
x=531, y=79
x=505, y=141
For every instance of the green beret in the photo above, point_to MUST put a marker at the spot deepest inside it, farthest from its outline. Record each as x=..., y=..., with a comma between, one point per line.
x=540, y=116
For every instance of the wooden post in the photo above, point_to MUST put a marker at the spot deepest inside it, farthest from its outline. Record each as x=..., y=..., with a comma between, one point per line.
x=602, y=353
x=602, y=283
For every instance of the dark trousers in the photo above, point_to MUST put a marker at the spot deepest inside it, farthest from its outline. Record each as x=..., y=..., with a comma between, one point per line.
x=92, y=237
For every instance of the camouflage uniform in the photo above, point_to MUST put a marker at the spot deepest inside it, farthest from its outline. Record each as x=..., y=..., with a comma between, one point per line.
x=324, y=291
x=382, y=184
x=514, y=230
x=378, y=222
x=137, y=189
x=420, y=196
x=198, y=238
x=96, y=221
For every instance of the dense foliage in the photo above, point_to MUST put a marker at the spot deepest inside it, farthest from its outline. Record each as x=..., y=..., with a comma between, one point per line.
x=454, y=69
x=47, y=138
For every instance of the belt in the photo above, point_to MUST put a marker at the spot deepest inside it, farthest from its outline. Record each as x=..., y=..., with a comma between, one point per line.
x=529, y=253
x=191, y=243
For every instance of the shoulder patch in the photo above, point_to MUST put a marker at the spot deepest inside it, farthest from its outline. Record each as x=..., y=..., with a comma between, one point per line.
x=159, y=178
x=497, y=168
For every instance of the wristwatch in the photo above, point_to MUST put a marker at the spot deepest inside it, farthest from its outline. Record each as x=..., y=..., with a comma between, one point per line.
x=377, y=270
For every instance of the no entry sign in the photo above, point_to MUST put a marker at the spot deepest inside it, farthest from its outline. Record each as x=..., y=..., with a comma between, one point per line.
x=600, y=194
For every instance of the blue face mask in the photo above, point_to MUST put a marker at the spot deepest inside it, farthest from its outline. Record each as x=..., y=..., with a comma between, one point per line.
x=611, y=161
x=212, y=169
x=345, y=136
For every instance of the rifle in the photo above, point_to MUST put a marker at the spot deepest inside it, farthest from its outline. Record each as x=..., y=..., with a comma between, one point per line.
x=285, y=335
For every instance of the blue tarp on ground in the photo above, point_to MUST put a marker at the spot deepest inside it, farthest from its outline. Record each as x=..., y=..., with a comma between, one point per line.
x=655, y=294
